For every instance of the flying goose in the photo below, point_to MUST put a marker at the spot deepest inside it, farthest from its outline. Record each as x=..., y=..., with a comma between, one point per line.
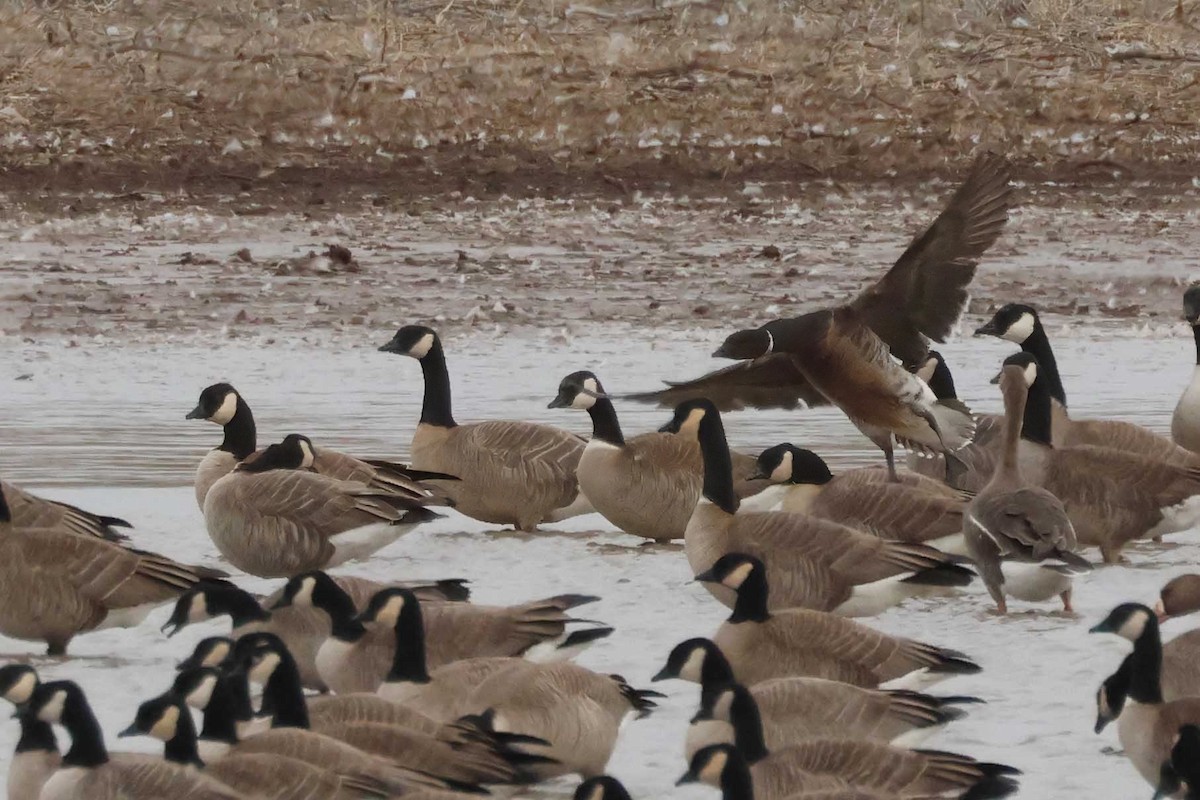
x=56, y=584
x=761, y=644
x=303, y=629
x=442, y=693
x=811, y=562
x=36, y=756
x=30, y=511
x=872, y=765
x=89, y=772
x=647, y=485
x=1010, y=519
x=223, y=405
x=792, y=709
x=485, y=759
x=1185, y=422
x=843, y=355
x=1112, y=496
x=1181, y=772
x=357, y=659
x=916, y=510
x=511, y=473
x=601, y=787
x=259, y=775
x=1148, y=725
x=1019, y=323
x=273, y=518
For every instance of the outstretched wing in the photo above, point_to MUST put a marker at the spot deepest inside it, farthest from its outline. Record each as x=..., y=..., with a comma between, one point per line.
x=772, y=381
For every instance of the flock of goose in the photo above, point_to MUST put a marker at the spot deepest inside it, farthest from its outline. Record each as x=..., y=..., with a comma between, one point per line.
x=335, y=686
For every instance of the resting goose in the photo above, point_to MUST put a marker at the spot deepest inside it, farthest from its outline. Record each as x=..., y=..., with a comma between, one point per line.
x=89, y=772
x=357, y=659
x=273, y=517
x=843, y=355
x=1147, y=724
x=511, y=473
x=761, y=644
x=793, y=709
x=917, y=510
x=36, y=756
x=30, y=511
x=1012, y=520
x=602, y=787
x=56, y=584
x=811, y=562
x=647, y=485
x=1185, y=422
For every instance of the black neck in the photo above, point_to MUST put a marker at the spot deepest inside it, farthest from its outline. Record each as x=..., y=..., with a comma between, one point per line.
x=718, y=464
x=747, y=726
x=230, y=702
x=751, y=605
x=240, y=433
x=283, y=696
x=715, y=674
x=36, y=736
x=181, y=748
x=435, y=410
x=87, y=740
x=605, y=426
x=239, y=604
x=333, y=600
x=1145, y=665
x=736, y=782
x=1037, y=344
x=408, y=662
x=941, y=383
x=1035, y=423
x=1196, y=336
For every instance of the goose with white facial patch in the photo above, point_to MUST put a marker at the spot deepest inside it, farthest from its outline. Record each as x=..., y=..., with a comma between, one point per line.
x=811, y=562
x=36, y=757
x=602, y=787
x=917, y=510
x=1147, y=725
x=56, y=584
x=761, y=644
x=273, y=517
x=510, y=473
x=1011, y=519
x=847, y=356
x=646, y=485
x=1185, y=421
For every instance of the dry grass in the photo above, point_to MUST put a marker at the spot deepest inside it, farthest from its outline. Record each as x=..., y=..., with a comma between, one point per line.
x=861, y=86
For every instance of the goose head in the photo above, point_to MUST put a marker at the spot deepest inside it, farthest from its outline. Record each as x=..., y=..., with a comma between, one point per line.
x=1180, y=596
x=786, y=463
x=746, y=345
x=1128, y=620
x=18, y=682
x=213, y=651
x=294, y=452
x=578, y=390
x=414, y=341
x=602, y=787
x=157, y=718
x=687, y=416
x=693, y=660
x=1014, y=322
x=218, y=403
x=386, y=605
x=195, y=686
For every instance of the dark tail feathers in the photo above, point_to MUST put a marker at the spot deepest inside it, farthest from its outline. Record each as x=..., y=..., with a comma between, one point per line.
x=640, y=699
x=944, y=574
x=991, y=788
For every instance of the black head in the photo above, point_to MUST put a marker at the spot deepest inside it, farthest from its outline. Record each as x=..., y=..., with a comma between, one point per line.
x=218, y=403
x=260, y=654
x=213, y=651
x=414, y=341
x=301, y=589
x=1110, y=697
x=294, y=452
x=1191, y=304
x=1014, y=322
x=52, y=701
x=1027, y=363
x=602, y=787
x=17, y=683
x=1183, y=769
x=687, y=416
x=746, y=345
x=733, y=570
x=690, y=660
x=712, y=765
x=1128, y=620
x=578, y=390
x=786, y=463
x=204, y=601
x=158, y=717
x=386, y=605
x=195, y=685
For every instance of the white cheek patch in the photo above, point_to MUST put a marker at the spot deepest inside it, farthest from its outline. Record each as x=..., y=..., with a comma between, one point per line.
x=22, y=690
x=198, y=608
x=309, y=457
x=691, y=422
x=390, y=612
x=1133, y=627
x=770, y=344
x=723, y=706
x=264, y=668
x=710, y=773
x=202, y=694
x=1030, y=374
x=693, y=667
x=927, y=369
x=303, y=596
x=597, y=793
x=216, y=655
x=583, y=401
x=226, y=411
x=164, y=729
x=738, y=576
x=52, y=710
x=422, y=346
x=1020, y=329
x=783, y=473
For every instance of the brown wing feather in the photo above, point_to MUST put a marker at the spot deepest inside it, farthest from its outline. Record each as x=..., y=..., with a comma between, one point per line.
x=769, y=382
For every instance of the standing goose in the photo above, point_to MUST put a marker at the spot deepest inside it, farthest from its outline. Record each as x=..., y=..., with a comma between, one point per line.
x=761, y=644
x=1147, y=726
x=916, y=510
x=793, y=709
x=870, y=765
x=647, y=485
x=1011, y=519
x=36, y=757
x=843, y=355
x=1185, y=422
x=31, y=511
x=90, y=772
x=56, y=584
x=811, y=562
x=357, y=659
x=273, y=518
x=511, y=473
x=303, y=629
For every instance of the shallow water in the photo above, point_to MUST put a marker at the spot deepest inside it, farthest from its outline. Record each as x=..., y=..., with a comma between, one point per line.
x=103, y=427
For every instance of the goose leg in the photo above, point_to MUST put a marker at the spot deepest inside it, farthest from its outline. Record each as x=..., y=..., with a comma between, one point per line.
x=1066, y=598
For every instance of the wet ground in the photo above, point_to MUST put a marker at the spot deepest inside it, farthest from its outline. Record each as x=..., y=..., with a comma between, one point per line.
x=97, y=417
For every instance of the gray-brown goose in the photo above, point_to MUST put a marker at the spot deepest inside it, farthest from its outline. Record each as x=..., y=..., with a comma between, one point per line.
x=510, y=473
x=810, y=562
x=762, y=644
x=916, y=510
x=36, y=756
x=646, y=485
x=357, y=658
x=303, y=629
x=30, y=511
x=1180, y=678
x=56, y=584
x=1010, y=519
x=1185, y=420
x=273, y=517
x=844, y=355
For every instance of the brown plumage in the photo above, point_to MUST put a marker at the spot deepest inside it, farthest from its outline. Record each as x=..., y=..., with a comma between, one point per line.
x=30, y=511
